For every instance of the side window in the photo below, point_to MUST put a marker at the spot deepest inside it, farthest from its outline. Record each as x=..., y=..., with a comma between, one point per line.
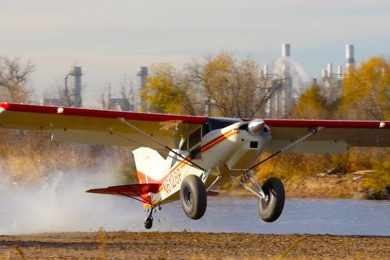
x=195, y=138
x=194, y=141
x=205, y=129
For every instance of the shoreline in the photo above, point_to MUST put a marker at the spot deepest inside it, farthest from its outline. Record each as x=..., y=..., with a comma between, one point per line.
x=345, y=186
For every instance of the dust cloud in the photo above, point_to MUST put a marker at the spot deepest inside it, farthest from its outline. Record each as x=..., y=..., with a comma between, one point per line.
x=60, y=204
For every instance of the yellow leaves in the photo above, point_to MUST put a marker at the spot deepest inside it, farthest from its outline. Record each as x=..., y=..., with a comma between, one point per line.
x=366, y=90
x=234, y=86
x=161, y=92
x=311, y=104
x=223, y=62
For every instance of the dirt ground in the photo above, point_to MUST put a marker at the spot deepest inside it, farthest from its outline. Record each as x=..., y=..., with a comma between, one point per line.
x=186, y=245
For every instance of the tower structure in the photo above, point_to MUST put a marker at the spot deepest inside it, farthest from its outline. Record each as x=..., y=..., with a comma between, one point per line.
x=282, y=100
x=349, y=56
x=76, y=72
x=143, y=75
x=72, y=94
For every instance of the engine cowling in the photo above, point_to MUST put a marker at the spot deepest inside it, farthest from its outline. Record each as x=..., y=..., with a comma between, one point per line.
x=256, y=127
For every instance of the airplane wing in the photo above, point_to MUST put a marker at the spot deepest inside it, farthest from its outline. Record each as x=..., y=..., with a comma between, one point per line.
x=333, y=135
x=93, y=126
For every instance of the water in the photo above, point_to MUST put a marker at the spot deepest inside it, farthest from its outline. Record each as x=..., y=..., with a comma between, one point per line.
x=300, y=216
x=61, y=204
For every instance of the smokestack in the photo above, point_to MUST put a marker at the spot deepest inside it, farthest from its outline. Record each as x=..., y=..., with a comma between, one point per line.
x=286, y=48
x=329, y=70
x=77, y=73
x=339, y=71
x=143, y=74
x=323, y=73
x=265, y=70
x=349, y=56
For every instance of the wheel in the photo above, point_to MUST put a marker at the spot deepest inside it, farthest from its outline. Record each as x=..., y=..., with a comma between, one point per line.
x=271, y=207
x=148, y=223
x=193, y=197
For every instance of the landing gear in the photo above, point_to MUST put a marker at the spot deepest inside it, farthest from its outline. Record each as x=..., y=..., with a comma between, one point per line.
x=149, y=219
x=271, y=206
x=193, y=196
x=148, y=222
x=270, y=194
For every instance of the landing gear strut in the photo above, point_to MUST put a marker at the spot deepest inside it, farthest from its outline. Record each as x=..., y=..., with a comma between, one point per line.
x=271, y=193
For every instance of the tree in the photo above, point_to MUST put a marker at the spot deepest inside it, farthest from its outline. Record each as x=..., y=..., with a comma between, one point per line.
x=366, y=91
x=13, y=78
x=127, y=93
x=313, y=104
x=235, y=87
x=221, y=86
x=164, y=92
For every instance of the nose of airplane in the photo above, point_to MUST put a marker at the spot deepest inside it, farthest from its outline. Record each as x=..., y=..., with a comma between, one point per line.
x=256, y=126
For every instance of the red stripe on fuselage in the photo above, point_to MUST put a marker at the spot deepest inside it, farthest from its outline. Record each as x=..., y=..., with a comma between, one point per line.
x=204, y=148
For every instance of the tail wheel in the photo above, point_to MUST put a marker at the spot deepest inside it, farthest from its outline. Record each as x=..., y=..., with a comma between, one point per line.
x=193, y=197
x=271, y=207
x=148, y=223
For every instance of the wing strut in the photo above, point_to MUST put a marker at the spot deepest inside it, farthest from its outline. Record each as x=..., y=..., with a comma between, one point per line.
x=123, y=120
x=247, y=178
x=312, y=131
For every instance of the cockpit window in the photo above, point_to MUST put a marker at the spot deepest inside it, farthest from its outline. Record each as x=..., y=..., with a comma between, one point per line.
x=216, y=123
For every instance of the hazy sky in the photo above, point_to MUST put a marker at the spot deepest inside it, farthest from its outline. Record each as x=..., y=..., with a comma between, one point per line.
x=111, y=39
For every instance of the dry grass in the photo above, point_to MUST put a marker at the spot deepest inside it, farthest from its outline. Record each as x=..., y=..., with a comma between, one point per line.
x=29, y=157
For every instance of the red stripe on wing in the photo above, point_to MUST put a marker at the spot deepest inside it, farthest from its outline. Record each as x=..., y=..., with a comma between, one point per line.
x=327, y=123
x=71, y=111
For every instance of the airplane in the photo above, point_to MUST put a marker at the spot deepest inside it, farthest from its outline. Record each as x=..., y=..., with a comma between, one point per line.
x=181, y=157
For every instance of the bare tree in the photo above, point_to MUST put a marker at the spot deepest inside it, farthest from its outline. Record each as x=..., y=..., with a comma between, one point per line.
x=126, y=99
x=234, y=88
x=127, y=93
x=105, y=97
x=13, y=78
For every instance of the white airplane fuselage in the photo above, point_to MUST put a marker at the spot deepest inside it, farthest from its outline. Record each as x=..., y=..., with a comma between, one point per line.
x=232, y=146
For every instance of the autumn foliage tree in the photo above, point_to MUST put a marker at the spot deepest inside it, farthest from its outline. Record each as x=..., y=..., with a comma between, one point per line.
x=235, y=87
x=224, y=85
x=312, y=104
x=163, y=92
x=366, y=91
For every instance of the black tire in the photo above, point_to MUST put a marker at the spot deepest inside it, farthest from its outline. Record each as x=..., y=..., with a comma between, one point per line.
x=148, y=223
x=193, y=197
x=271, y=208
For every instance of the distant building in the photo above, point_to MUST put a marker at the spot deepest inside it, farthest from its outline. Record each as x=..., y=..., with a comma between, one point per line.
x=53, y=102
x=331, y=80
x=121, y=104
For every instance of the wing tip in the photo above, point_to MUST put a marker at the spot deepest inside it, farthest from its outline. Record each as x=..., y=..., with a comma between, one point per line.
x=4, y=106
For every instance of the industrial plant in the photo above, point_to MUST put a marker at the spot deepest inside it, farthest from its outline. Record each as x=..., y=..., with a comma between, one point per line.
x=285, y=79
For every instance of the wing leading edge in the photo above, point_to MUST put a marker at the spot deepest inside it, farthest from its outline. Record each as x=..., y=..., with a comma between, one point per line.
x=93, y=126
